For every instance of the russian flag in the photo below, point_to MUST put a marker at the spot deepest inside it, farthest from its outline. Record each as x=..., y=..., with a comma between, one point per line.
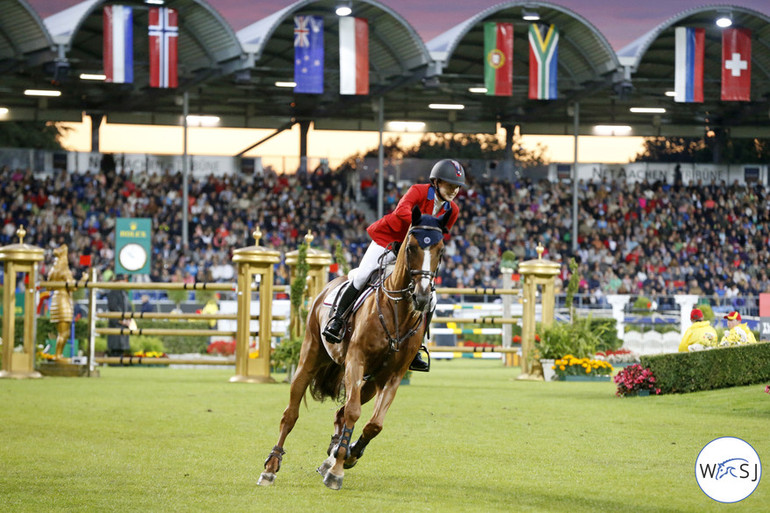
x=118, y=44
x=688, y=71
x=354, y=55
x=163, y=33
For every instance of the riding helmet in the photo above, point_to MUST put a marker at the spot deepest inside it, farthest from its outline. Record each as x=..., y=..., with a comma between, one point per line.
x=450, y=171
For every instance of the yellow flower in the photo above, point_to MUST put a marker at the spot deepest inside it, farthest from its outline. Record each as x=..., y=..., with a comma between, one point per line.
x=561, y=367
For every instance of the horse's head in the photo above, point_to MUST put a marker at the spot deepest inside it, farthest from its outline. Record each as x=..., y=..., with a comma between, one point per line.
x=424, y=247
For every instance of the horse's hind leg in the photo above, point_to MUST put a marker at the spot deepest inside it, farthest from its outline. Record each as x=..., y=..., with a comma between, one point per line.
x=298, y=386
x=374, y=426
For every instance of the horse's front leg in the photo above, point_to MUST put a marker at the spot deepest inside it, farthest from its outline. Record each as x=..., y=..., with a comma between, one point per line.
x=367, y=392
x=374, y=426
x=354, y=373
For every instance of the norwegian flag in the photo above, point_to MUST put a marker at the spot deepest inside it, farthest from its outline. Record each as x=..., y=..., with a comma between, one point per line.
x=163, y=31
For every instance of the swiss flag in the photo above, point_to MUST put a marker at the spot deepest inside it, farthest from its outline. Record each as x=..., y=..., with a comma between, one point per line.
x=736, y=65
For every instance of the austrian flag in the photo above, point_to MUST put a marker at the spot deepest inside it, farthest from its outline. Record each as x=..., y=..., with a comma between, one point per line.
x=163, y=32
x=354, y=55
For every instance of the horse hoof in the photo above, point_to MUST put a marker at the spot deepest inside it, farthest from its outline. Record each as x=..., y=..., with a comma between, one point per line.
x=266, y=479
x=332, y=481
x=350, y=463
x=325, y=466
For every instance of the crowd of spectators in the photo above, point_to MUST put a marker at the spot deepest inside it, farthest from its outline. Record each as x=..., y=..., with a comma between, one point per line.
x=642, y=239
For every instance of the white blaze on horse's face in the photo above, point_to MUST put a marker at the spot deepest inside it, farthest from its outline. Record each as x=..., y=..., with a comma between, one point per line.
x=425, y=280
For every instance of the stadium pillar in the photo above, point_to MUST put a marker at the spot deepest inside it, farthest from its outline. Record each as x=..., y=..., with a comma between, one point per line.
x=507, y=171
x=380, y=160
x=96, y=123
x=304, y=127
x=185, y=172
x=576, y=115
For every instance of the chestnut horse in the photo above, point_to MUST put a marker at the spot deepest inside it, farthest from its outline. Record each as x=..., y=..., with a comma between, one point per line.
x=387, y=331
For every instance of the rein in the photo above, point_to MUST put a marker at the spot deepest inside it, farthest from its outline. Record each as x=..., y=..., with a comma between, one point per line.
x=401, y=294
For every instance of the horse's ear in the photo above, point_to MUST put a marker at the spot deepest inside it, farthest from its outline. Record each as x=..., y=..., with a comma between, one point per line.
x=445, y=219
x=416, y=215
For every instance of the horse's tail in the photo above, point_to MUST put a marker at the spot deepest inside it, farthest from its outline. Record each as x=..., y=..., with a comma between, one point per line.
x=328, y=382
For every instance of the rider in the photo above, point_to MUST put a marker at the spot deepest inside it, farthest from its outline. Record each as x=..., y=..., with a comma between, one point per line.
x=446, y=178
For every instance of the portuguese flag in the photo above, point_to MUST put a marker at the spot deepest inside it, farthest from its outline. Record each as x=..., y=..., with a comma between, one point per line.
x=498, y=58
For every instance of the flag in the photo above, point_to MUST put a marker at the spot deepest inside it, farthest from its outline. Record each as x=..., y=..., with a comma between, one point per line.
x=543, y=61
x=689, y=46
x=309, y=54
x=164, y=33
x=498, y=58
x=354, y=55
x=736, y=65
x=118, y=44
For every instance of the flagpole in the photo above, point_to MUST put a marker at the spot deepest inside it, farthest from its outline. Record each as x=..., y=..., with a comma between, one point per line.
x=185, y=171
x=576, y=115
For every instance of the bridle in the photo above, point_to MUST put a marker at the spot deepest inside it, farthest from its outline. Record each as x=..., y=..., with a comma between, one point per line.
x=404, y=293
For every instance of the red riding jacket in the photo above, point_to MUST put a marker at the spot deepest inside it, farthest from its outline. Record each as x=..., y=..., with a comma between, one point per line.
x=393, y=226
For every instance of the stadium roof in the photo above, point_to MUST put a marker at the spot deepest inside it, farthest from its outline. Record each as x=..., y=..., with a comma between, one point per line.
x=650, y=60
x=234, y=76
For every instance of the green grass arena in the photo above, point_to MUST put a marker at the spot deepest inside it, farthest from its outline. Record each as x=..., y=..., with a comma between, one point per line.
x=465, y=437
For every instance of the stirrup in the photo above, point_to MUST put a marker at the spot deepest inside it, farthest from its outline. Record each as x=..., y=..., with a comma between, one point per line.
x=334, y=337
x=418, y=364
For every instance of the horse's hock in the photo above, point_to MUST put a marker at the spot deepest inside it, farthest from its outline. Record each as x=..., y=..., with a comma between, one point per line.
x=19, y=258
x=543, y=273
x=254, y=261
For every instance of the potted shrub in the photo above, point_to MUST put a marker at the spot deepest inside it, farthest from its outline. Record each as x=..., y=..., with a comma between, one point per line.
x=580, y=338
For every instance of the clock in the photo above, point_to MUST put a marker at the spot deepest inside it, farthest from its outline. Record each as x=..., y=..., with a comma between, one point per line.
x=132, y=257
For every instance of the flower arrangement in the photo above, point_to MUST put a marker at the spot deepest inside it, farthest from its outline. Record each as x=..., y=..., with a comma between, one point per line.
x=221, y=347
x=572, y=366
x=150, y=354
x=616, y=356
x=634, y=379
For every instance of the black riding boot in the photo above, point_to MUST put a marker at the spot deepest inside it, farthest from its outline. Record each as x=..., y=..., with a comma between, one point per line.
x=333, y=330
x=418, y=364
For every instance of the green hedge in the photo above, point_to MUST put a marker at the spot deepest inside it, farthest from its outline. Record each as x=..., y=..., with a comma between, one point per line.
x=707, y=370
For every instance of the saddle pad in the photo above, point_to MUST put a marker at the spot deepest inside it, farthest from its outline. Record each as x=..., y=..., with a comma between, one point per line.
x=332, y=296
x=371, y=283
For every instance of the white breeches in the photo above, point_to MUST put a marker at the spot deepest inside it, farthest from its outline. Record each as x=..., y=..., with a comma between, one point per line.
x=369, y=263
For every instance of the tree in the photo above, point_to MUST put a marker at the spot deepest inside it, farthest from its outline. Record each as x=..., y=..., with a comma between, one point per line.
x=473, y=146
x=31, y=134
x=435, y=146
x=715, y=147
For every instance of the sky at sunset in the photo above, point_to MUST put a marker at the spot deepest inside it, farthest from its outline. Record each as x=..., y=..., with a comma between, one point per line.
x=621, y=21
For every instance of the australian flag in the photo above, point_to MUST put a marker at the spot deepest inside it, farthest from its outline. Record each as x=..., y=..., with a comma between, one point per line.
x=309, y=54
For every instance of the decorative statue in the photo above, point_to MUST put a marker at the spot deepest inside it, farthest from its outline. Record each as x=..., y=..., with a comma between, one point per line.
x=61, y=300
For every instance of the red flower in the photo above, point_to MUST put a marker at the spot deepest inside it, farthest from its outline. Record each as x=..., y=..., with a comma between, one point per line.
x=516, y=339
x=537, y=337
